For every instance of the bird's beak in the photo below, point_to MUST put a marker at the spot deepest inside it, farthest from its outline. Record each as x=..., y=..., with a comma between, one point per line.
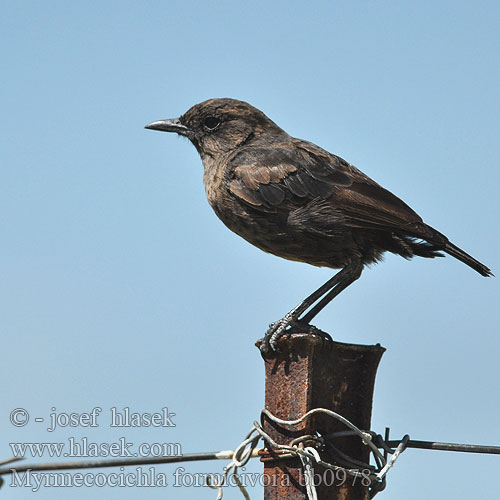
x=171, y=125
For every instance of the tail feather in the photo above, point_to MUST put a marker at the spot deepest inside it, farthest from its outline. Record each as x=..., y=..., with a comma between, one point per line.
x=464, y=257
x=438, y=241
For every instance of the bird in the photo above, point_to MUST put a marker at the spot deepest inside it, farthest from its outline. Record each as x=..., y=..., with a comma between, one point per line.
x=291, y=198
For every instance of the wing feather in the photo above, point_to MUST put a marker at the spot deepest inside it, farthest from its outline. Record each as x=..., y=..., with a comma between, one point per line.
x=293, y=174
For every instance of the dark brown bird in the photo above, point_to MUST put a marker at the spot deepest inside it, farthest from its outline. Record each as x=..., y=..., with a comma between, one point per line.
x=293, y=199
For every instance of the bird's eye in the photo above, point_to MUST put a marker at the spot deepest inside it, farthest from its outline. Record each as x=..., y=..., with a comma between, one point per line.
x=211, y=123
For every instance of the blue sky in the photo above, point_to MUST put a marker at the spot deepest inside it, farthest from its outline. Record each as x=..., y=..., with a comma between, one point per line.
x=119, y=285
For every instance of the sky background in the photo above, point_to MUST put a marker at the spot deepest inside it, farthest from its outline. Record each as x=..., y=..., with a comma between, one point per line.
x=120, y=287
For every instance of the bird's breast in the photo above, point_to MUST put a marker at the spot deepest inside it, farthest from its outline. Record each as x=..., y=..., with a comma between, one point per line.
x=213, y=179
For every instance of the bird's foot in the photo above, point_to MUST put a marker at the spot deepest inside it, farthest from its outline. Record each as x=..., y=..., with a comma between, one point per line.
x=289, y=324
x=277, y=330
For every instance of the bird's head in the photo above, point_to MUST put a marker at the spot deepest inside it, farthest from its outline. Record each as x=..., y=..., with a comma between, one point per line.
x=218, y=126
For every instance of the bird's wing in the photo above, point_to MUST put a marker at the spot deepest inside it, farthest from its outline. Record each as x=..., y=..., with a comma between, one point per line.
x=267, y=177
x=364, y=202
x=298, y=172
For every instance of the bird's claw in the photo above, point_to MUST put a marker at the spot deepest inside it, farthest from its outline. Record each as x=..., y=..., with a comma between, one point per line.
x=277, y=330
x=286, y=326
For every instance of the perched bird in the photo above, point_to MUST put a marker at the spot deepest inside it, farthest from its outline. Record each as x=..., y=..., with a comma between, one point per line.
x=295, y=200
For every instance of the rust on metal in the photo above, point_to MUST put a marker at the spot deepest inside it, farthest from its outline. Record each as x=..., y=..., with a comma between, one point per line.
x=308, y=372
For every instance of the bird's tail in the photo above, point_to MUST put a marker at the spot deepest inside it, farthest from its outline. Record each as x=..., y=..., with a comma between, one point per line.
x=440, y=242
x=464, y=257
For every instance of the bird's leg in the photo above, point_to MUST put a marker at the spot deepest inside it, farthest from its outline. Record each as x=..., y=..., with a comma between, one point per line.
x=353, y=275
x=331, y=288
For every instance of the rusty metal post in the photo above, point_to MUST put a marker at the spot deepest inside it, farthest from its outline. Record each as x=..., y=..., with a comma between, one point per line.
x=308, y=373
